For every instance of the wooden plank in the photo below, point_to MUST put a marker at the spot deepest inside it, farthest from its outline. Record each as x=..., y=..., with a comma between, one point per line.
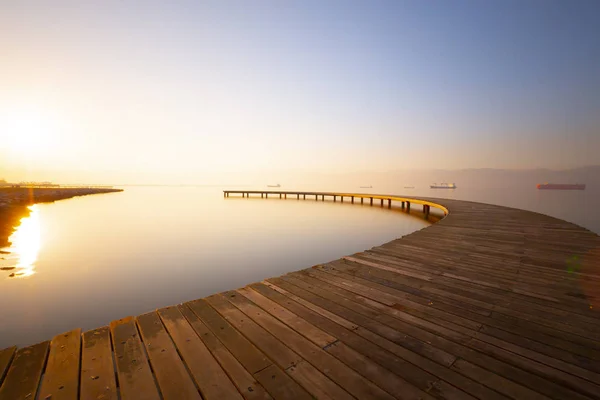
x=409, y=324
x=543, y=348
x=580, y=372
x=6, y=357
x=407, y=288
x=169, y=370
x=61, y=379
x=397, y=385
x=458, y=264
x=494, y=298
x=133, y=370
x=247, y=354
x=554, y=377
x=511, y=321
x=24, y=373
x=351, y=358
x=374, y=372
x=316, y=382
x=313, y=380
x=367, y=317
x=439, y=388
x=386, y=268
x=274, y=380
x=319, y=310
x=482, y=264
x=282, y=355
x=312, y=333
x=564, y=361
x=522, y=317
x=97, y=366
x=539, y=357
x=206, y=371
x=450, y=342
x=280, y=385
x=417, y=301
x=243, y=380
x=504, y=386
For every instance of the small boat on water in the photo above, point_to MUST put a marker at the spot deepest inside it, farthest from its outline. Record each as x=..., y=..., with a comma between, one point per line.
x=409, y=187
x=276, y=185
x=443, y=186
x=561, y=186
x=367, y=187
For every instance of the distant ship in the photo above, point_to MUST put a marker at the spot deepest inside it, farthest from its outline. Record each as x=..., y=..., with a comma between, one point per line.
x=443, y=186
x=561, y=186
x=367, y=187
x=409, y=187
x=276, y=185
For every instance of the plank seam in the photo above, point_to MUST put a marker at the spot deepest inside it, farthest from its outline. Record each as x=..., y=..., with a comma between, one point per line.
x=143, y=347
x=12, y=357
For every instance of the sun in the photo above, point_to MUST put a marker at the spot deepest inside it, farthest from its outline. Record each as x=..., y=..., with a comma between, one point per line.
x=25, y=131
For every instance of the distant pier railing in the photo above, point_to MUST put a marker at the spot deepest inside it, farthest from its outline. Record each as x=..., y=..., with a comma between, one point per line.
x=405, y=202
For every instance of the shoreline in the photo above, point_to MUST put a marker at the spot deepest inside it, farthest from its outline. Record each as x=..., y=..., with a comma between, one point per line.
x=14, y=203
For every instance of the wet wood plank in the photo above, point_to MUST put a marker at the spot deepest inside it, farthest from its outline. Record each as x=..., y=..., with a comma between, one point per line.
x=136, y=380
x=61, y=379
x=97, y=366
x=23, y=377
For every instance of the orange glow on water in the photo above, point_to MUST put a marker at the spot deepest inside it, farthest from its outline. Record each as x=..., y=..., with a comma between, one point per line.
x=26, y=243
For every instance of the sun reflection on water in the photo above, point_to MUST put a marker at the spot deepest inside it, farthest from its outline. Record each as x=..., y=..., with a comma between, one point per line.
x=26, y=242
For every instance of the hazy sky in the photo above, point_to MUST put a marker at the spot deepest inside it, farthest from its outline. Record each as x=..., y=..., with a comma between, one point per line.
x=195, y=91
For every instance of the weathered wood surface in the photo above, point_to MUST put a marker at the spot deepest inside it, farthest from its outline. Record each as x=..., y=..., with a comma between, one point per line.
x=488, y=303
x=61, y=379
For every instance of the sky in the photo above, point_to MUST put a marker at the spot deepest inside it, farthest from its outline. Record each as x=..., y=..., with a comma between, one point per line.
x=211, y=91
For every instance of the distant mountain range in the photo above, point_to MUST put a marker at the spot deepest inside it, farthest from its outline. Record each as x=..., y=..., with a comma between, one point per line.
x=506, y=177
x=471, y=177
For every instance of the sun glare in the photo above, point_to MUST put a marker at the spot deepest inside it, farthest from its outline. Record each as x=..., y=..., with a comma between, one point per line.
x=26, y=242
x=26, y=132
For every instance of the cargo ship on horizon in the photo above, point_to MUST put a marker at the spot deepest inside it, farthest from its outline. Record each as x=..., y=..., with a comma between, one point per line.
x=561, y=186
x=443, y=186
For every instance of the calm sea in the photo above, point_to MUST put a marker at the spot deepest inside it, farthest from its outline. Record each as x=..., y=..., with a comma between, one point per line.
x=89, y=260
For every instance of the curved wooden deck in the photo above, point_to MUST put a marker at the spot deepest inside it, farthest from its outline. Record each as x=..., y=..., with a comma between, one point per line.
x=489, y=303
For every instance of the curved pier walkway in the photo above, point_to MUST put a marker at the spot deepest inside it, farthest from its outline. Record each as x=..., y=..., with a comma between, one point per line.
x=489, y=303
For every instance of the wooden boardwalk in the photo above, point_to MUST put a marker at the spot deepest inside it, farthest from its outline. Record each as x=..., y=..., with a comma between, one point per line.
x=488, y=303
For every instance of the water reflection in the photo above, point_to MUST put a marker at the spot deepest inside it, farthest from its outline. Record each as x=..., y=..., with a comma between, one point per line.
x=26, y=242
